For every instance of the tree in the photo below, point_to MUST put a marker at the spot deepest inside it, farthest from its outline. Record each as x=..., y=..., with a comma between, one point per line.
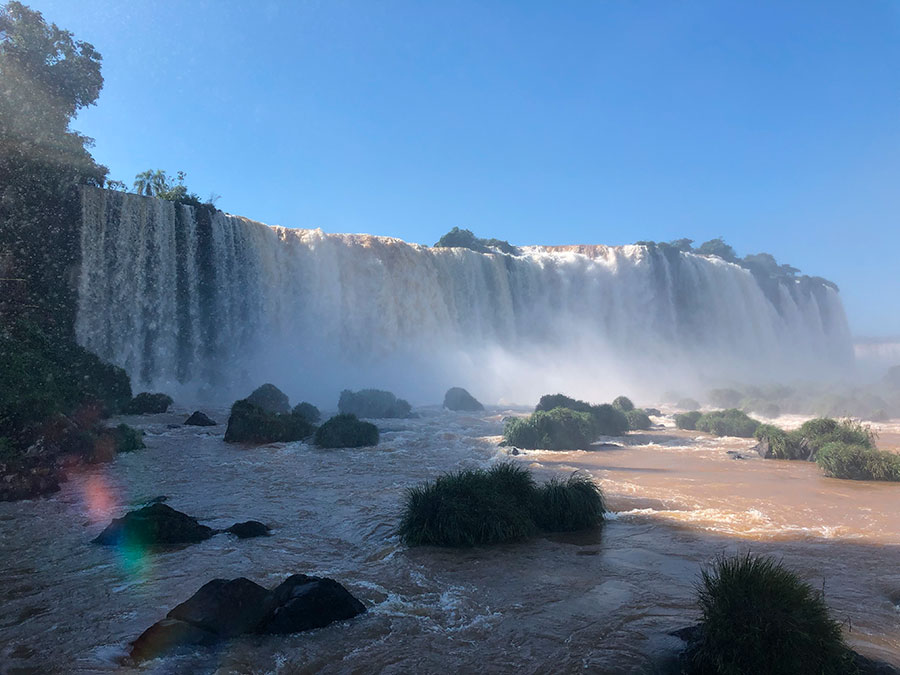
x=685, y=245
x=719, y=248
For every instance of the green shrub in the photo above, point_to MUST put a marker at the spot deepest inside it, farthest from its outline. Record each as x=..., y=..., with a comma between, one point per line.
x=551, y=401
x=725, y=398
x=815, y=434
x=469, y=508
x=608, y=421
x=687, y=404
x=623, y=403
x=128, y=439
x=779, y=443
x=858, y=462
x=346, y=431
x=759, y=617
x=732, y=422
x=270, y=398
x=307, y=411
x=556, y=429
x=149, y=404
x=249, y=423
x=688, y=420
x=373, y=403
x=638, y=420
x=570, y=505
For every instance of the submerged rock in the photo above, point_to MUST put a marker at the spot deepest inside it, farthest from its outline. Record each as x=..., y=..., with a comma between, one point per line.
x=270, y=398
x=147, y=403
x=199, y=419
x=458, y=398
x=222, y=609
x=154, y=525
x=248, y=529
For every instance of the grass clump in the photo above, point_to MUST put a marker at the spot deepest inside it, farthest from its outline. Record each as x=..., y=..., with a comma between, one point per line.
x=248, y=423
x=638, y=420
x=623, y=403
x=759, y=617
x=688, y=420
x=858, y=462
x=816, y=433
x=373, y=403
x=346, y=431
x=502, y=504
x=128, y=439
x=776, y=443
x=731, y=422
x=307, y=411
x=551, y=401
x=608, y=421
x=556, y=429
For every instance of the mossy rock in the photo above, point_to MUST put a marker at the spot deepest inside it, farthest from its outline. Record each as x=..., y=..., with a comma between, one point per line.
x=248, y=423
x=270, y=398
x=346, y=431
x=373, y=403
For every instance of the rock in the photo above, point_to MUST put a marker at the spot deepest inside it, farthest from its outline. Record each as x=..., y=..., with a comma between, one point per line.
x=458, y=398
x=248, y=423
x=248, y=529
x=373, y=403
x=28, y=478
x=303, y=603
x=270, y=398
x=199, y=419
x=222, y=609
x=154, y=525
x=346, y=431
x=225, y=608
x=763, y=450
x=307, y=411
x=146, y=403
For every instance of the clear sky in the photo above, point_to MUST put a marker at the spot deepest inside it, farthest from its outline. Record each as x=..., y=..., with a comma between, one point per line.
x=775, y=124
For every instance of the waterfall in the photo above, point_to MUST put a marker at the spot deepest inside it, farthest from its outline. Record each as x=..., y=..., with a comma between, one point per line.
x=195, y=300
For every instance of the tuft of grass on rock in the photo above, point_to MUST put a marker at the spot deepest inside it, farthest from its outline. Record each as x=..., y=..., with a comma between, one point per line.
x=568, y=505
x=556, y=429
x=731, y=422
x=858, y=462
x=623, y=403
x=759, y=617
x=688, y=420
x=346, y=431
x=638, y=420
x=128, y=439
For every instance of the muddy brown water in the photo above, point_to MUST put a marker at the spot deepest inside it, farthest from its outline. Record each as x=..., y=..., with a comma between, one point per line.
x=597, y=602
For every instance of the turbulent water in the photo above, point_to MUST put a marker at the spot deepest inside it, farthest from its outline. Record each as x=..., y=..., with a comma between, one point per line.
x=601, y=601
x=189, y=300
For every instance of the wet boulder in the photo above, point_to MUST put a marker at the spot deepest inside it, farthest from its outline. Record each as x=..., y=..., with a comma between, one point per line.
x=346, y=431
x=373, y=403
x=270, y=398
x=222, y=609
x=147, y=403
x=249, y=423
x=307, y=411
x=199, y=419
x=458, y=398
x=249, y=529
x=154, y=525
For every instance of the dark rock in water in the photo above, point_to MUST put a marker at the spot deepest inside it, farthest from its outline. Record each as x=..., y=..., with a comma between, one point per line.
x=248, y=529
x=763, y=449
x=346, y=431
x=303, y=603
x=248, y=423
x=514, y=451
x=222, y=609
x=307, y=411
x=655, y=412
x=27, y=478
x=154, y=525
x=199, y=419
x=373, y=403
x=225, y=608
x=147, y=403
x=458, y=398
x=173, y=426
x=271, y=399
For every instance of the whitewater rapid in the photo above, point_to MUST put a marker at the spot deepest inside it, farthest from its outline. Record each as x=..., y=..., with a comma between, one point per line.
x=190, y=300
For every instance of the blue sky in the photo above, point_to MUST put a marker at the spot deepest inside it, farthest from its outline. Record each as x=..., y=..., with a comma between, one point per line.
x=774, y=124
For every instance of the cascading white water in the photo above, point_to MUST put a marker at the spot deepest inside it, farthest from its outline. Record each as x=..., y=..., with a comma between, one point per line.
x=189, y=300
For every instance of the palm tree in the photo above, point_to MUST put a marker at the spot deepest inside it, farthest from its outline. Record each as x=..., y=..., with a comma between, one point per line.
x=151, y=183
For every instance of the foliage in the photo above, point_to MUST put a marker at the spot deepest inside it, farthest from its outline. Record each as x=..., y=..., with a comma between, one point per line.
x=815, y=434
x=499, y=505
x=248, y=423
x=568, y=506
x=551, y=401
x=346, y=431
x=688, y=420
x=156, y=183
x=623, y=403
x=556, y=429
x=457, y=238
x=270, y=398
x=373, y=403
x=858, y=462
x=307, y=411
x=719, y=248
x=638, y=420
x=687, y=404
x=725, y=398
x=128, y=438
x=731, y=422
x=782, y=445
x=147, y=403
x=759, y=617
x=608, y=421
x=41, y=376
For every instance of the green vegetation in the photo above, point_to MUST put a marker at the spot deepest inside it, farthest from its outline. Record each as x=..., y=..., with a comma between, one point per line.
x=128, y=439
x=146, y=403
x=815, y=434
x=854, y=461
x=623, y=403
x=551, y=401
x=758, y=617
x=775, y=443
x=346, y=431
x=373, y=403
x=270, y=398
x=156, y=183
x=638, y=420
x=307, y=411
x=457, y=238
x=499, y=505
x=725, y=398
x=248, y=423
x=731, y=422
x=556, y=429
x=687, y=404
x=688, y=420
x=608, y=421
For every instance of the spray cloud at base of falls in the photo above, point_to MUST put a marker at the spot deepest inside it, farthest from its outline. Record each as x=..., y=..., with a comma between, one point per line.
x=209, y=305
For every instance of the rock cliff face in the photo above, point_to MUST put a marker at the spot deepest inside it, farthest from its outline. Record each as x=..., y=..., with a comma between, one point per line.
x=176, y=295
